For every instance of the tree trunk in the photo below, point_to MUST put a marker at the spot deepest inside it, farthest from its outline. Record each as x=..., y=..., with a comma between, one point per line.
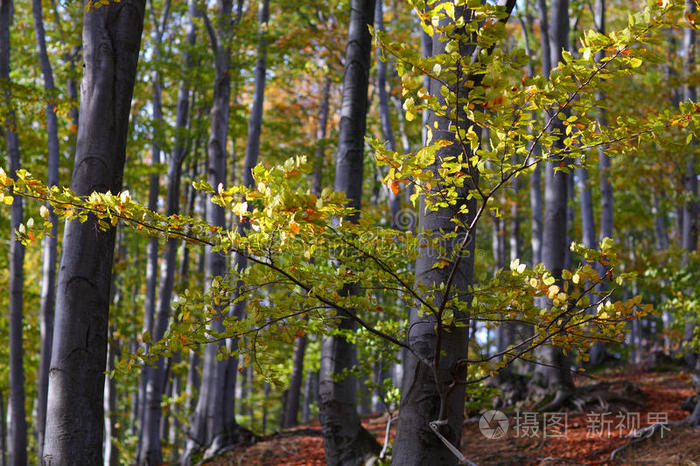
x=17, y=432
x=597, y=352
x=421, y=401
x=111, y=414
x=536, y=177
x=557, y=372
x=319, y=155
x=153, y=190
x=3, y=433
x=48, y=275
x=291, y=407
x=150, y=451
x=310, y=395
x=690, y=181
x=111, y=42
x=384, y=115
x=345, y=440
x=209, y=428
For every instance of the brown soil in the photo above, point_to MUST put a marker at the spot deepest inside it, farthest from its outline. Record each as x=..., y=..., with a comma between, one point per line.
x=582, y=444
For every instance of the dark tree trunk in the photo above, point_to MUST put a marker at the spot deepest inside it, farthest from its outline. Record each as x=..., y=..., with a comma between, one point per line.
x=310, y=394
x=291, y=407
x=111, y=42
x=345, y=440
x=17, y=432
x=48, y=276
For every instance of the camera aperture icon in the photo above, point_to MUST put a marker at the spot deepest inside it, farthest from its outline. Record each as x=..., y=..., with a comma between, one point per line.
x=493, y=424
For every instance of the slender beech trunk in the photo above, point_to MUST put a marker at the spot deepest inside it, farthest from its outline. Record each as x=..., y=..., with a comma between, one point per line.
x=153, y=190
x=291, y=407
x=110, y=406
x=690, y=181
x=384, y=115
x=3, y=433
x=557, y=373
x=17, y=432
x=536, y=177
x=209, y=429
x=345, y=440
x=587, y=221
x=421, y=400
x=604, y=166
x=319, y=155
x=111, y=42
x=48, y=275
x=150, y=451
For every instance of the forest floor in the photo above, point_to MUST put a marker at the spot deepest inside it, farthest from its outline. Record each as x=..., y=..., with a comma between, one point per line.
x=635, y=399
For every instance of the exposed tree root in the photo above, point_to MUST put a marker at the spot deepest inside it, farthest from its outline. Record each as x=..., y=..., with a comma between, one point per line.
x=645, y=433
x=223, y=444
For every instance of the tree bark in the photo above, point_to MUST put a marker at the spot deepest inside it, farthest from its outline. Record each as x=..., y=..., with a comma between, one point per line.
x=111, y=42
x=210, y=429
x=536, y=177
x=597, y=353
x=384, y=115
x=153, y=190
x=150, y=451
x=111, y=415
x=345, y=440
x=291, y=407
x=319, y=154
x=48, y=276
x=421, y=400
x=557, y=372
x=17, y=431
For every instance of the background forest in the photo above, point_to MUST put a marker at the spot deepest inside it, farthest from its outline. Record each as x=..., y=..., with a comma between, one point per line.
x=255, y=214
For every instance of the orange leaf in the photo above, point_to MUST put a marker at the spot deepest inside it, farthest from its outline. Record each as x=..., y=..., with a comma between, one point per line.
x=294, y=227
x=395, y=187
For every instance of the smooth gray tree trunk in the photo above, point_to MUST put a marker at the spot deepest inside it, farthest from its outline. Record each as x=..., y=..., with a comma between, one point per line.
x=150, y=451
x=111, y=414
x=345, y=441
x=597, y=352
x=557, y=372
x=421, y=402
x=111, y=42
x=3, y=433
x=536, y=177
x=48, y=272
x=690, y=181
x=384, y=114
x=319, y=155
x=209, y=429
x=17, y=430
x=153, y=195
